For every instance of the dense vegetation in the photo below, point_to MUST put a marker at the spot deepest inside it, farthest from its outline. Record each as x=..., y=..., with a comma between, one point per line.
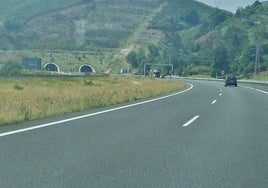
x=195, y=38
x=224, y=42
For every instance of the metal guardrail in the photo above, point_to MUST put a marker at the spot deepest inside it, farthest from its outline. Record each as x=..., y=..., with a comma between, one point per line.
x=256, y=84
x=219, y=80
x=253, y=81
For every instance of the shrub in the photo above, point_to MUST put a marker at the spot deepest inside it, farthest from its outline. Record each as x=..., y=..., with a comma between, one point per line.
x=11, y=68
x=17, y=87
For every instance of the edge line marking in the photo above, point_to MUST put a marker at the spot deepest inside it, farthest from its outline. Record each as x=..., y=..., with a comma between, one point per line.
x=92, y=114
x=259, y=90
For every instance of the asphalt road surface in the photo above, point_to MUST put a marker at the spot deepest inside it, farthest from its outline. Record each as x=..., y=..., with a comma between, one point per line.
x=206, y=136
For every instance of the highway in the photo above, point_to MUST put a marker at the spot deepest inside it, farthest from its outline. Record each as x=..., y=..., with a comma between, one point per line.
x=206, y=136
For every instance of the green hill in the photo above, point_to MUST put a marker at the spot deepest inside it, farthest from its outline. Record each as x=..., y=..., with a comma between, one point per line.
x=74, y=26
x=196, y=38
x=20, y=11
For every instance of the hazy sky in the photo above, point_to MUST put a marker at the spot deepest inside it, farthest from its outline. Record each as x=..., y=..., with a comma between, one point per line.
x=230, y=5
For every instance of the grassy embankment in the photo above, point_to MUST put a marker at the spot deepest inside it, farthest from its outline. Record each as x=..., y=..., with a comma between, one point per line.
x=35, y=98
x=262, y=76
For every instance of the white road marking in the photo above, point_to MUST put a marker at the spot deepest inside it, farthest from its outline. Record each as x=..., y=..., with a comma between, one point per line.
x=92, y=114
x=213, y=102
x=265, y=92
x=190, y=121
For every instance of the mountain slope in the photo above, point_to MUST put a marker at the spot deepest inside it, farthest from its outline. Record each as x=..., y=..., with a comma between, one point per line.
x=186, y=33
x=82, y=26
x=100, y=23
x=20, y=11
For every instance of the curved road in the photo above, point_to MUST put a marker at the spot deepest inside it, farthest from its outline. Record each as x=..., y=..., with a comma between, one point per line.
x=207, y=136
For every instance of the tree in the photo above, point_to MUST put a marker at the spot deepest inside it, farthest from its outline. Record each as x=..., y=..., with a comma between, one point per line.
x=170, y=47
x=12, y=25
x=141, y=58
x=217, y=18
x=11, y=68
x=191, y=17
x=246, y=60
x=221, y=62
x=154, y=54
x=132, y=59
x=236, y=38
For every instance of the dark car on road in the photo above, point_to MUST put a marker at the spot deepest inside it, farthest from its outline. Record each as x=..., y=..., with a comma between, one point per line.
x=230, y=80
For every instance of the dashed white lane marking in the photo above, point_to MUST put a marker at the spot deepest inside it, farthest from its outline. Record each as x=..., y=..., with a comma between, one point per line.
x=190, y=121
x=92, y=114
x=213, y=102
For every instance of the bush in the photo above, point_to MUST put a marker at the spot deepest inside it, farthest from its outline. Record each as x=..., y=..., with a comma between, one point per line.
x=11, y=69
x=12, y=25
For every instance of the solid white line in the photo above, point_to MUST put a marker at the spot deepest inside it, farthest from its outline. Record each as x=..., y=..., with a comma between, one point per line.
x=190, y=121
x=214, y=102
x=265, y=92
x=92, y=114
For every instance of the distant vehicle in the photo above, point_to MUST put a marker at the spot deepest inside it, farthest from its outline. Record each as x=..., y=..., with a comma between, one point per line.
x=157, y=73
x=230, y=80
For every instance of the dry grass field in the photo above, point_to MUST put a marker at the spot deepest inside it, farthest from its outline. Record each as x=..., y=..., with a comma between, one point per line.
x=33, y=98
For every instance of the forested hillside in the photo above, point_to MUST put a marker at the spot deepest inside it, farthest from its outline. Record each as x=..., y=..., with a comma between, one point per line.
x=210, y=41
x=195, y=38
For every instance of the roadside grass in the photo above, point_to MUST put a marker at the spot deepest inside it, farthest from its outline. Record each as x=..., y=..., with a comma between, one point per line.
x=262, y=76
x=34, y=98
